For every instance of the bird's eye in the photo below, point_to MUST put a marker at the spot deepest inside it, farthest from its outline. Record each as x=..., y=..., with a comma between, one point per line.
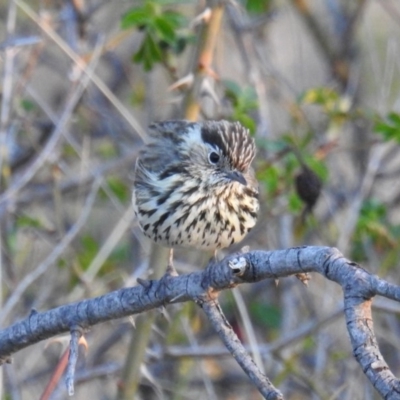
x=213, y=157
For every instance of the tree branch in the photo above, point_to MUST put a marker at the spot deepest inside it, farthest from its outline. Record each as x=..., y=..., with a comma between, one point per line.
x=221, y=325
x=203, y=287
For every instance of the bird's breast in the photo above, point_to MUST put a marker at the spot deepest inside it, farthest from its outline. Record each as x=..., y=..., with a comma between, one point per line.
x=191, y=214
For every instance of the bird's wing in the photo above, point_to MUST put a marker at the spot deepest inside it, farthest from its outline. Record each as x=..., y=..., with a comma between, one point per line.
x=157, y=155
x=163, y=153
x=171, y=130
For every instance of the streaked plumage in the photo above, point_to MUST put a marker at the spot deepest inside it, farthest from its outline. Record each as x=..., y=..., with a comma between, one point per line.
x=194, y=186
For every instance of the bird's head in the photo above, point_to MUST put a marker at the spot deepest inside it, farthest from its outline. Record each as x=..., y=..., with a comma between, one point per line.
x=220, y=153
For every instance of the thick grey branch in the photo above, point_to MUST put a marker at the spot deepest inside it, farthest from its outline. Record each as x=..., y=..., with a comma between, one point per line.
x=359, y=286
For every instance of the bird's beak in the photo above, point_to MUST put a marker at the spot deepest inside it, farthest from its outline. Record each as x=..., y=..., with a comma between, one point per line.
x=236, y=176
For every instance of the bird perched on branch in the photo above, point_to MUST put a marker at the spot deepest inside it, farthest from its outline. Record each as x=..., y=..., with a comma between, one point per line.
x=194, y=186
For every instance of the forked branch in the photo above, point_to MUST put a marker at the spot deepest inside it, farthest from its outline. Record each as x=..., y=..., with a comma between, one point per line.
x=203, y=287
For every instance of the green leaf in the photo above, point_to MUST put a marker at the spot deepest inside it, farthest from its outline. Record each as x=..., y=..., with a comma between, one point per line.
x=374, y=229
x=270, y=177
x=175, y=19
x=119, y=188
x=248, y=98
x=153, y=50
x=26, y=221
x=161, y=32
x=28, y=105
x=268, y=316
x=373, y=209
x=89, y=249
x=295, y=205
x=320, y=95
x=257, y=6
x=135, y=17
x=389, y=127
x=232, y=88
x=243, y=101
x=395, y=118
x=149, y=53
x=318, y=167
x=246, y=121
x=106, y=149
x=68, y=151
x=165, y=29
x=273, y=146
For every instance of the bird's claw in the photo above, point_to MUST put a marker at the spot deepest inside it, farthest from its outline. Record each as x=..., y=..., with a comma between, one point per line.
x=171, y=271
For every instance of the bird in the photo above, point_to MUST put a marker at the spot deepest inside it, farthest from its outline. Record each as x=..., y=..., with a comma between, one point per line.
x=194, y=186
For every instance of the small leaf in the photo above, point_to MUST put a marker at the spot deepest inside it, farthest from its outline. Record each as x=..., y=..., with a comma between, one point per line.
x=89, y=249
x=319, y=167
x=395, y=118
x=165, y=29
x=153, y=49
x=135, y=17
x=295, y=205
x=273, y=146
x=326, y=97
x=246, y=121
x=26, y=221
x=177, y=20
x=28, y=105
x=270, y=177
x=243, y=100
x=149, y=53
x=119, y=188
x=389, y=127
x=268, y=316
x=106, y=149
x=232, y=89
x=257, y=6
x=249, y=98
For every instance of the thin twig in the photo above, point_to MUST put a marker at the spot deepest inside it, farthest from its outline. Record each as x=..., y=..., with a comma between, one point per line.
x=265, y=350
x=52, y=257
x=108, y=246
x=70, y=185
x=208, y=384
x=248, y=327
x=52, y=34
x=47, y=151
x=56, y=376
x=20, y=42
x=373, y=167
x=5, y=115
x=203, y=59
x=76, y=335
x=221, y=325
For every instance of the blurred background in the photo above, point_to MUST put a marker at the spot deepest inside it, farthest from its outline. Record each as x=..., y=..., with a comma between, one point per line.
x=315, y=81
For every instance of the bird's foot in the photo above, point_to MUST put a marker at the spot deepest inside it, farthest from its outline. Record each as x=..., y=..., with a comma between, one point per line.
x=171, y=271
x=164, y=282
